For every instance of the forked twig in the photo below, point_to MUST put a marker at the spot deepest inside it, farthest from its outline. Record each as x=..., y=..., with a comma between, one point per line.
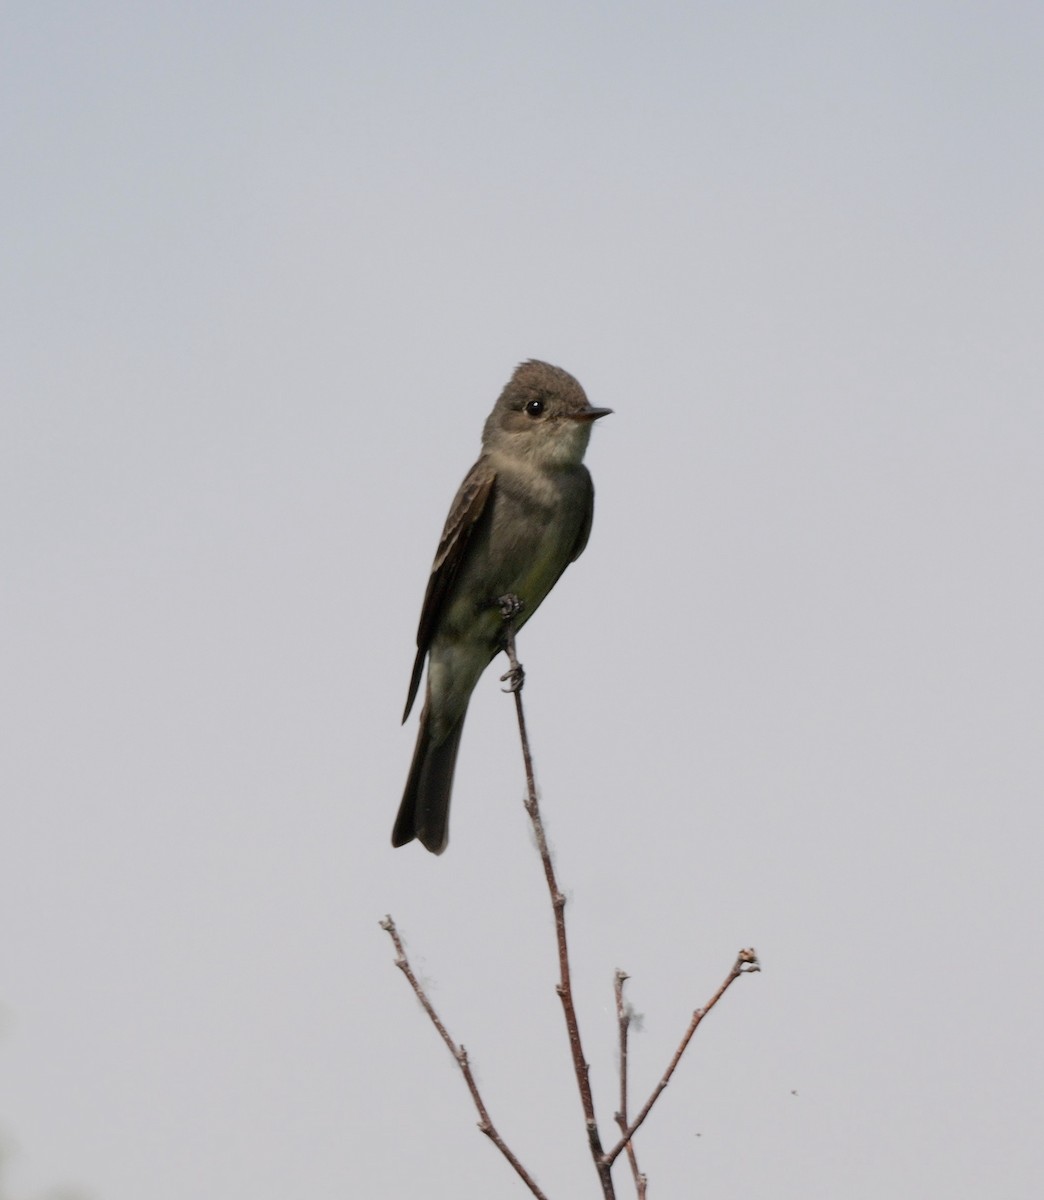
x=746, y=962
x=461, y=1055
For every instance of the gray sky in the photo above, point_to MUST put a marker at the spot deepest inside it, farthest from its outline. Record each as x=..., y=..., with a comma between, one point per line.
x=265, y=269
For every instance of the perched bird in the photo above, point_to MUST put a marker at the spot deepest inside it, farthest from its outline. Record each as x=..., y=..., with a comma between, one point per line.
x=521, y=516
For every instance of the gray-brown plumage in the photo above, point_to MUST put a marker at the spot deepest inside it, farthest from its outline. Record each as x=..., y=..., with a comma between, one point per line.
x=522, y=514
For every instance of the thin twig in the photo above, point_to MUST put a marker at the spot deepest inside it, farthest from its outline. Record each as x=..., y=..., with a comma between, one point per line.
x=603, y=1164
x=461, y=1055
x=746, y=962
x=623, y=1018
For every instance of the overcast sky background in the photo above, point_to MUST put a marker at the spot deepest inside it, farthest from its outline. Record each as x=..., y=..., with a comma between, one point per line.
x=264, y=270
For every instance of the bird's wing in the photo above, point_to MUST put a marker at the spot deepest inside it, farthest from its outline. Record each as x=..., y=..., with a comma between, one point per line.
x=584, y=532
x=470, y=503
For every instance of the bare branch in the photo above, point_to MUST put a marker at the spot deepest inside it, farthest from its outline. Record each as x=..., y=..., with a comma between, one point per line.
x=461, y=1056
x=746, y=962
x=603, y=1163
x=623, y=1018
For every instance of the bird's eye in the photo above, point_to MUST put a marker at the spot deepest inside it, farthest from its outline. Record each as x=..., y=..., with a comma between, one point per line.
x=535, y=407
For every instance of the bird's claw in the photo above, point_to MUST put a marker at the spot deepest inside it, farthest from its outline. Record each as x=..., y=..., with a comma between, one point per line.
x=514, y=678
x=510, y=606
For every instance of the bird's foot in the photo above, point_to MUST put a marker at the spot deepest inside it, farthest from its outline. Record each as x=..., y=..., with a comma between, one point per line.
x=510, y=606
x=515, y=677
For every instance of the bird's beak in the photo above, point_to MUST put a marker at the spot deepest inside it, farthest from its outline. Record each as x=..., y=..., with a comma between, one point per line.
x=590, y=414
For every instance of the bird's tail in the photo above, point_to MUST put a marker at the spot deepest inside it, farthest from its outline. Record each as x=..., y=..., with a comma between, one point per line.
x=424, y=811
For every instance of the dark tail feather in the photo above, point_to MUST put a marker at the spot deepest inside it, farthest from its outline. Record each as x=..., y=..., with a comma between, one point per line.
x=424, y=811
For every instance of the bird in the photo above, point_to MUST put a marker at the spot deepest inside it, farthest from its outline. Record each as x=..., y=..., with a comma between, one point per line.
x=521, y=516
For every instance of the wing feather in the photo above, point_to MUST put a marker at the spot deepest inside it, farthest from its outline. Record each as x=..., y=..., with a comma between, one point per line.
x=584, y=532
x=468, y=506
